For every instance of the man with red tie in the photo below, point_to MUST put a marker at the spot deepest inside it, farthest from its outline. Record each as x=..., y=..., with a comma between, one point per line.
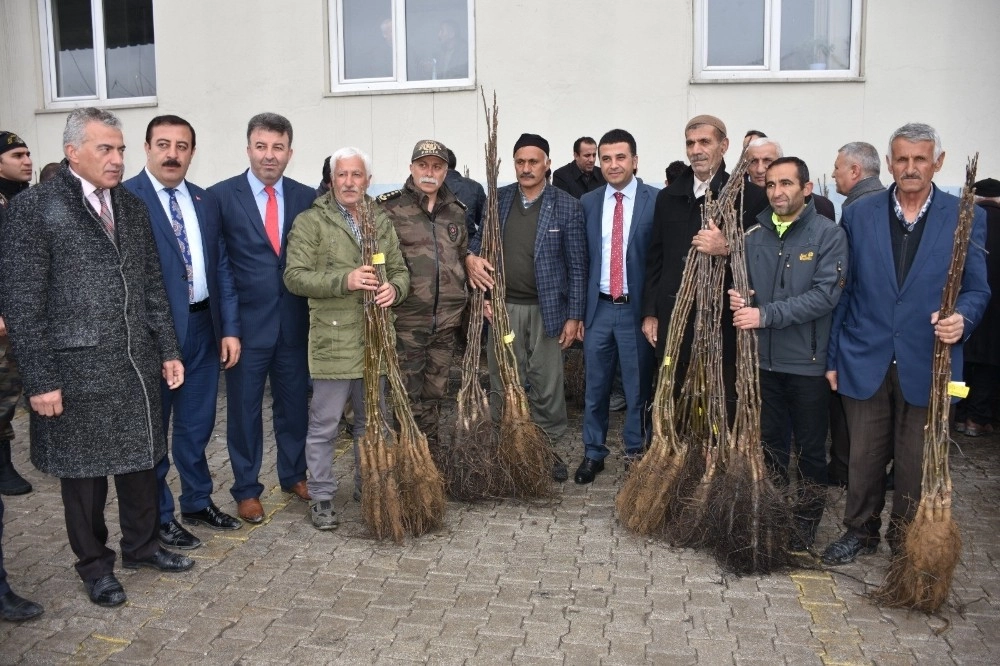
x=619, y=221
x=258, y=207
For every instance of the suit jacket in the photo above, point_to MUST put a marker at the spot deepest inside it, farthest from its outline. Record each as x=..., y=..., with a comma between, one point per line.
x=877, y=321
x=570, y=179
x=269, y=313
x=639, y=234
x=560, y=254
x=222, y=300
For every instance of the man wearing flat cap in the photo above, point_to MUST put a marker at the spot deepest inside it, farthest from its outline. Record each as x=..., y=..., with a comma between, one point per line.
x=976, y=415
x=545, y=274
x=430, y=224
x=677, y=227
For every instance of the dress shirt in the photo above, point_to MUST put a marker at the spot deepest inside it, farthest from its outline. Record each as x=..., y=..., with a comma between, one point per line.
x=607, y=224
x=90, y=194
x=260, y=196
x=700, y=187
x=191, y=228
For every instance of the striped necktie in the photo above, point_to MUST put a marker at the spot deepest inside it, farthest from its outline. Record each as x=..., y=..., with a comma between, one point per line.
x=105, y=213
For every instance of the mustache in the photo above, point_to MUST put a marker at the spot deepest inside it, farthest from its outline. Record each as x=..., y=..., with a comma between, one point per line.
x=429, y=180
x=171, y=163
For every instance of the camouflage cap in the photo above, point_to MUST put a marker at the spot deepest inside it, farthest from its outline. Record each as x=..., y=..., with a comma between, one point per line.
x=429, y=148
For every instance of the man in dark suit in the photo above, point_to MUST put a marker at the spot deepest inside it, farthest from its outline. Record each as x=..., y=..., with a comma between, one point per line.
x=619, y=221
x=545, y=273
x=258, y=207
x=579, y=176
x=199, y=285
x=884, y=327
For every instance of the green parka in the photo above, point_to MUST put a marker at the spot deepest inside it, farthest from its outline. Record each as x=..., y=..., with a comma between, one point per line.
x=322, y=250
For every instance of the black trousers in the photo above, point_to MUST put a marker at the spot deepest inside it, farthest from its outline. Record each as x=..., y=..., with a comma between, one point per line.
x=84, y=501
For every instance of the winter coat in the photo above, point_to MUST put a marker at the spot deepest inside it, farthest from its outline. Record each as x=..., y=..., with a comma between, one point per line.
x=435, y=246
x=92, y=319
x=322, y=251
x=797, y=279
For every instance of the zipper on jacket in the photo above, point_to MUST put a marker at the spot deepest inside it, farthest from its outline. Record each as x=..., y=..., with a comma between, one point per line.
x=437, y=274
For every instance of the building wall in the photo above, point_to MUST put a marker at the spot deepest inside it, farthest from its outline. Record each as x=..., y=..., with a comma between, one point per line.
x=560, y=68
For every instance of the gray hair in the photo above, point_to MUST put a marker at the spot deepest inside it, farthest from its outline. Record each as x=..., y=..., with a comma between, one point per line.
x=347, y=153
x=272, y=122
x=915, y=132
x=76, y=124
x=766, y=141
x=864, y=155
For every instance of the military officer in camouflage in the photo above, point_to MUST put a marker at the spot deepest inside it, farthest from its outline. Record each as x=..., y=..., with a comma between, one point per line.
x=430, y=223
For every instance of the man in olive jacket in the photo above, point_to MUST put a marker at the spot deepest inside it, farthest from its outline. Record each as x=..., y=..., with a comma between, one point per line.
x=90, y=324
x=325, y=265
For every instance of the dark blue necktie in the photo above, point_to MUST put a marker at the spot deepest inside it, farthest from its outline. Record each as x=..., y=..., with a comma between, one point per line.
x=177, y=222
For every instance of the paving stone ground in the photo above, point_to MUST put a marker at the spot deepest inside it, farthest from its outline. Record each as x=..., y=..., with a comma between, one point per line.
x=559, y=582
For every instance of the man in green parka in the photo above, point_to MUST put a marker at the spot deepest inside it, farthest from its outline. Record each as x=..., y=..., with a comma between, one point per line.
x=325, y=266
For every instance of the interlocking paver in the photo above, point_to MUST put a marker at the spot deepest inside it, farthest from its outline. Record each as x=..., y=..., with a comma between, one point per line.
x=553, y=582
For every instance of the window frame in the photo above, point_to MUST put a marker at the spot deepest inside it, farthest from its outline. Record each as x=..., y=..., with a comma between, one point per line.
x=339, y=86
x=49, y=79
x=770, y=71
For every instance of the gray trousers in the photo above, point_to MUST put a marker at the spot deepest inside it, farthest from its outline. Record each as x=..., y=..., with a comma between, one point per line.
x=329, y=399
x=540, y=367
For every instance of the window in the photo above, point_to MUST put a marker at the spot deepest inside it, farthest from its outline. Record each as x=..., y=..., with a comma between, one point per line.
x=400, y=45
x=777, y=40
x=98, y=50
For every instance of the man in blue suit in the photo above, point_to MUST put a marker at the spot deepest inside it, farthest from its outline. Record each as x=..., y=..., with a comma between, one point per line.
x=882, y=341
x=619, y=219
x=199, y=284
x=544, y=272
x=258, y=207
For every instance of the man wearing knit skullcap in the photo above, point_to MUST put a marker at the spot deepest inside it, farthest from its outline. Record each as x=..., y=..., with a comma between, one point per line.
x=545, y=273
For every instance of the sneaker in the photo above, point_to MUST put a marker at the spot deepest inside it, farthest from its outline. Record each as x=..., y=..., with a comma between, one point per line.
x=323, y=516
x=846, y=549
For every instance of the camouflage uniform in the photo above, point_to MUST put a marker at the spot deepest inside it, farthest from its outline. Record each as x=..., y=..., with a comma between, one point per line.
x=10, y=393
x=434, y=246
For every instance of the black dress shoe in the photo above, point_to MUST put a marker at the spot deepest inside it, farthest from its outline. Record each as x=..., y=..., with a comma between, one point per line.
x=175, y=536
x=845, y=549
x=106, y=591
x=163, y=560
x=587, y=470
x=18, y=609
x=211, y=516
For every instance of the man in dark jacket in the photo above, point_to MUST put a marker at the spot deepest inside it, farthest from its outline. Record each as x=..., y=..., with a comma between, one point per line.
x=469, y=192
x=677, y=227
x=976, y=415
x=796, y=260
x=15, y=177
x=579, y=176
x=90, y=324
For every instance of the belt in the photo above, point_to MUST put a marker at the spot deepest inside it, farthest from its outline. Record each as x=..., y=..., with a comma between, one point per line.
x=621, y=300
x=199, y=306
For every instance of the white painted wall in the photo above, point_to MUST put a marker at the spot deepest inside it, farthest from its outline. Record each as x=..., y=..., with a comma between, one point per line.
x=561, y=68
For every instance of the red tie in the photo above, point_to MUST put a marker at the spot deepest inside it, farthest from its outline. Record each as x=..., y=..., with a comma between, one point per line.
x=617, y=231
x=271, y=219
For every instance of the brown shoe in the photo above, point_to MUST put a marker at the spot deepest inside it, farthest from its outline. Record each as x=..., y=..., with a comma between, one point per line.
x=250, y=510
x=300, y=490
